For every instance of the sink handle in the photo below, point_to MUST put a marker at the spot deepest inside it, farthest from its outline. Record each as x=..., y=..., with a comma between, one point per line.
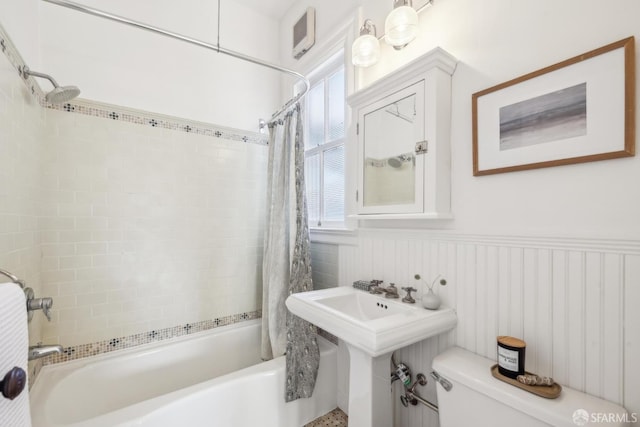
x=408, y=298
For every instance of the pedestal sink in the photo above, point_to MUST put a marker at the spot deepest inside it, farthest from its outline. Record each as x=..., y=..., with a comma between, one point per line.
x=372, y=327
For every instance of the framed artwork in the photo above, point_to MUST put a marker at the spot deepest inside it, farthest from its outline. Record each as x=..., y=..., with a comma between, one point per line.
x=579, y=110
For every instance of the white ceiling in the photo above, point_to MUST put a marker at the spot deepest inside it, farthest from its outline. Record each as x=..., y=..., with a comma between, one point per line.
x=273, y=8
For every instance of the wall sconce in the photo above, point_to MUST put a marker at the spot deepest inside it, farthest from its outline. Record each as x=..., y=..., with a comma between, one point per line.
x=401, y=25
x=365, y=50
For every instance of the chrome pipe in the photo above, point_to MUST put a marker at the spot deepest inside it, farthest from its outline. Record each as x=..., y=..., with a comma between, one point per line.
x=412, y=395
x=26, y=72
x=171, y=34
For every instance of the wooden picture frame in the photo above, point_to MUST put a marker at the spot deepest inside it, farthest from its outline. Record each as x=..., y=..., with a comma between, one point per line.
x=579, y=110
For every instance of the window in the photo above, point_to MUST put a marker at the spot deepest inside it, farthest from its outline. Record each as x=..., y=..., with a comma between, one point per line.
x=324, y=145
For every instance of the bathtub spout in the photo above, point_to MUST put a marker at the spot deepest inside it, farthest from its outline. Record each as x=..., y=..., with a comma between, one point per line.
x=40, y=350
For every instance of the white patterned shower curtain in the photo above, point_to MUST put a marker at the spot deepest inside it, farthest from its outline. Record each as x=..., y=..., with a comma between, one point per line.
x=287, y=262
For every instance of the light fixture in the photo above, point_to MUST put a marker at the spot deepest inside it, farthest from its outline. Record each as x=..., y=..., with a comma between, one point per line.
x=401, y=25
x=365, y=50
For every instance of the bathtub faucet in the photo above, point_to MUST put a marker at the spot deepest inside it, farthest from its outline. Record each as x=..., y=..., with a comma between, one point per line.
x=38, y=351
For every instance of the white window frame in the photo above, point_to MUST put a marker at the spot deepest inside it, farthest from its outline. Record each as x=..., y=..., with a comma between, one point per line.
x=323, y=73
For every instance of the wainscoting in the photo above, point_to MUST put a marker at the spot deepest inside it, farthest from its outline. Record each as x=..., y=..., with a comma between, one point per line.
x=574, y=301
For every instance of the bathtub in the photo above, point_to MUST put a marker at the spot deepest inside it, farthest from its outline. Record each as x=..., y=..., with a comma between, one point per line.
x=212, y=378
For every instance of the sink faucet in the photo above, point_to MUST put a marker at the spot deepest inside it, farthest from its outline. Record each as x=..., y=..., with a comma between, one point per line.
x=390, y=292
x=39, y=351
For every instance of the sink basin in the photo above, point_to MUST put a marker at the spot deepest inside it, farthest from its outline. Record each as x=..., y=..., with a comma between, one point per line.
x=372, y=323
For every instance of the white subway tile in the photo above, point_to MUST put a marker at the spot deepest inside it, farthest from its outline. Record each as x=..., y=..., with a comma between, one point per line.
x=58, y=276
x=106, y=309
x=57, y=223
x=74, y=236
x=91, y=299
x=75, y=262
x=91, y=248
x=76, y=313
x=61, y=249
x=50, y=263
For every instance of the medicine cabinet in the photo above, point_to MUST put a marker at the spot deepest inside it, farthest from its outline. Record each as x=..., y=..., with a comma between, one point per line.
x=403, y=126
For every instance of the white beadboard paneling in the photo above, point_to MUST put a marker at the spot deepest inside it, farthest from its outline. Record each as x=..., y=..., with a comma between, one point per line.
x=576, y=319
x=516, y=294
x=572, y=300
x=468, y=276
x=543, y=317
x=593, y=303
x=613, y=315
x=504, y=291
x=480, y=325
x=632, y=336
x=492, y=291
x=530, y=307
x=560, y=335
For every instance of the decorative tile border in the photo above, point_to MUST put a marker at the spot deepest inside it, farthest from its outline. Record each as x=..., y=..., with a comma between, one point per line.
x=128, y=115
x=145, y=118
x=120, y=343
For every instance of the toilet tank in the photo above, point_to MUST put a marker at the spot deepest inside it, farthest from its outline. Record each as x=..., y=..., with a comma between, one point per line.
x=479, y=399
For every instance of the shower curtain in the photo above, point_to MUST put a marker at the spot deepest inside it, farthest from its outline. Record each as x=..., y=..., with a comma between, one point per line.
x=287, y=261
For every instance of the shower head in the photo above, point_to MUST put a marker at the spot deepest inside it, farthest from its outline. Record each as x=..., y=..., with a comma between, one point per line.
x=59, y=94
x=398, y=161
x=394, y=162
x=62, y=94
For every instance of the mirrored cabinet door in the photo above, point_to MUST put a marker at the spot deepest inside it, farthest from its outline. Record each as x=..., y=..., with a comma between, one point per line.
x=391, y=171
x=403, y=125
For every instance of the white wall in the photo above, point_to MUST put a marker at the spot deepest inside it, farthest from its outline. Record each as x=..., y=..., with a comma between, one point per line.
x=496, y=42
x=20, y=21
x=125, y=66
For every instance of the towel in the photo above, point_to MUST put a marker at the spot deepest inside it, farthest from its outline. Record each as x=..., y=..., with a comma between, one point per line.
x=14, y=347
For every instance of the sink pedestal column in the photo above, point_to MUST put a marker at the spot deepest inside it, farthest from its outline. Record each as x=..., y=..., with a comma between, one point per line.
x=369, y=389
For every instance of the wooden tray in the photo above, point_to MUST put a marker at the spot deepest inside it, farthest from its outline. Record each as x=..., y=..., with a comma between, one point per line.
x=548, y=392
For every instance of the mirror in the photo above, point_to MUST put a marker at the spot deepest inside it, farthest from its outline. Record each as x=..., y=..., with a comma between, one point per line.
x=389, y=158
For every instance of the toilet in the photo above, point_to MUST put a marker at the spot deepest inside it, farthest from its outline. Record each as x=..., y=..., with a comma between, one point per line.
x=476, y=398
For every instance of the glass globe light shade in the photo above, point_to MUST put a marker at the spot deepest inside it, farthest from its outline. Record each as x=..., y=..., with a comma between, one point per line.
x=401, y=26
x=365, y=50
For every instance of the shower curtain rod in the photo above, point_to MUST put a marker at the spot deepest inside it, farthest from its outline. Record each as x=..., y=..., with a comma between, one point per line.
x=217, y=48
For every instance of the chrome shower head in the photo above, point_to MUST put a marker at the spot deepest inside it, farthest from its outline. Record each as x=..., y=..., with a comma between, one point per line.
x=394, y=162
x=62, y=94
x=59, y=94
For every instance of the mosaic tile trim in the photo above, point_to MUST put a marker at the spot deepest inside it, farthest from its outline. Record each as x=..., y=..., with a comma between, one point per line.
x=113, y=112
x=145, y=118
x=120, y=343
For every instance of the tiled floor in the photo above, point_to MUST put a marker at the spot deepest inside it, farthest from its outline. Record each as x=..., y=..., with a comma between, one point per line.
x=335, y=418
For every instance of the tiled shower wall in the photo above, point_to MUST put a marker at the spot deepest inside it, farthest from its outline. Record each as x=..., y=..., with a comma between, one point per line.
x=21, y=127
x=147, y=228
x=574, y=301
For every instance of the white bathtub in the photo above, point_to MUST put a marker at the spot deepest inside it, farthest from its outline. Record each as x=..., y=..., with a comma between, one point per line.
x=213, y=378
